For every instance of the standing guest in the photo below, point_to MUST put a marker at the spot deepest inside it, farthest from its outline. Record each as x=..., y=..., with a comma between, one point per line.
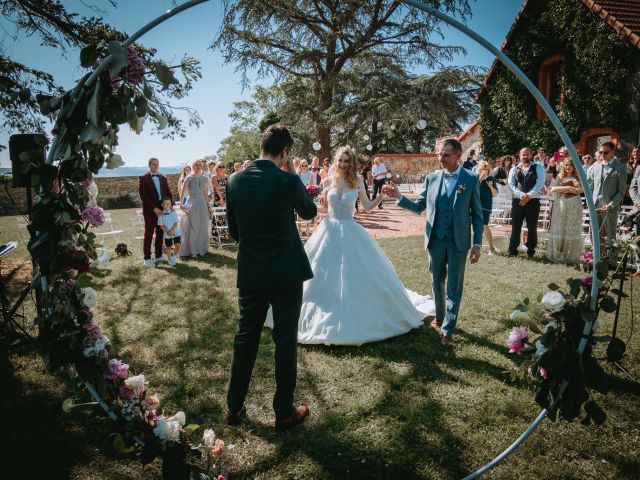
x=315, y=176
x=587, y=161
x=451, y=197
x=296, y=165
x=170, y=225
x=500, y=174
x=219, y=184
x=272, y=266
x=326, y=166
x=152, y=188
x=380, y=174
x=186, y=171
x=634, y=187
x=237, y=167
x=525, y=181
x=609, y=184
x=315, y=163
x=543, y=156
x=194, y=224
x=488, y=190
x=632, y=165
x=470, y=163
x=304, y=173
x=246, y=164
x=565, y=235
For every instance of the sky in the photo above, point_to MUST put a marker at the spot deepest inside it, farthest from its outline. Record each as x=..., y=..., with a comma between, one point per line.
x=191, y=32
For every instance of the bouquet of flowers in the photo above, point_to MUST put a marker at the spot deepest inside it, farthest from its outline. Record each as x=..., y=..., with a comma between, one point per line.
x=314, y=190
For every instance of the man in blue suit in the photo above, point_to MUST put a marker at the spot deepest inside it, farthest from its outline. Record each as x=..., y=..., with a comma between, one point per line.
x=451, y=197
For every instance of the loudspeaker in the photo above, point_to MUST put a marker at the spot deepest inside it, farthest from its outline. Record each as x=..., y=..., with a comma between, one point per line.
x=26, y=151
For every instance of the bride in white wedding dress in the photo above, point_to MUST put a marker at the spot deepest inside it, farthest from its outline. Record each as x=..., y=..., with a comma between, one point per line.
x=355, y=295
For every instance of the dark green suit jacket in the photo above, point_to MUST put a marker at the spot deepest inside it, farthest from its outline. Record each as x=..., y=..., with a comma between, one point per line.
x=260, y=213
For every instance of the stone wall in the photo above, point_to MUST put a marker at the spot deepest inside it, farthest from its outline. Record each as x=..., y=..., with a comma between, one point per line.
x=113, y=192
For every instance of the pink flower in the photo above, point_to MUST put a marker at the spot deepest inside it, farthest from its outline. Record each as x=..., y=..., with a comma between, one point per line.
x=92, y=330
x=223, y=476
x=313, y=191
x=543, y=373
x=135, y=70
x=517, y=339
x=152, y=401
x=218, y=448
x=93, y=215
x=116, y=370
x=587, y=257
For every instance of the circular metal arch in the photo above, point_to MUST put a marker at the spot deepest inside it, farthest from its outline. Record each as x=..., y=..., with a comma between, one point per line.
x=595, y=238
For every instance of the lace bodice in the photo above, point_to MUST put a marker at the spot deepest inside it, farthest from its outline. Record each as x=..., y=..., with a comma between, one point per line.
x=342, y=206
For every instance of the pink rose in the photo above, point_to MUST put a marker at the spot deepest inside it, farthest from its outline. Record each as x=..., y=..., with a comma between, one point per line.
x=116, y=370
x=543, y=373
x=517, y=339
x=153, y=401
x=93, y=215
x=218, y=448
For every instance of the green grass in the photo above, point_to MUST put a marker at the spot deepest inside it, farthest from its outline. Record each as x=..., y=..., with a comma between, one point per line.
x=402, y=408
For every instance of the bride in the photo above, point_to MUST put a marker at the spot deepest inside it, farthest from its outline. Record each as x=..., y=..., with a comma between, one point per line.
x=355, y=295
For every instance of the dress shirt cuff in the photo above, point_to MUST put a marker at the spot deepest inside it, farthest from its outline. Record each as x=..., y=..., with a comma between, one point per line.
x=479, y=245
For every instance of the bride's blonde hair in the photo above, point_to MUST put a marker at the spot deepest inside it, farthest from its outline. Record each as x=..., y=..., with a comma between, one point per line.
x=350, y=177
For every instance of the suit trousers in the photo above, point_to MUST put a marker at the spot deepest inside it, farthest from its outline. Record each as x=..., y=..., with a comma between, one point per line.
x=377, y=187
x=608, y=224
x=531, y=212
x=446, y=262
x=286, y=303
x=150, y=228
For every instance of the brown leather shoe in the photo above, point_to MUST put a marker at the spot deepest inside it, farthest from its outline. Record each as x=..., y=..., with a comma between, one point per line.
x=298, y=416
x=236, y=418
x=436, y=324
x=447, y=341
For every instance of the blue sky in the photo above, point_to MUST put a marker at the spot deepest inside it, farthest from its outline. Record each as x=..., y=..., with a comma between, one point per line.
x=191, y=33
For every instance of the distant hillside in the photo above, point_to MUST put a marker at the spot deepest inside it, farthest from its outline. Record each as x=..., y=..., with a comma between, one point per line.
x=119, y=172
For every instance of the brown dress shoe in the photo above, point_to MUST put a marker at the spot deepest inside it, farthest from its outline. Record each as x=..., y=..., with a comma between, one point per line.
x=236, y=418
x=436, y=324
x=447, y=341
x=298, y=416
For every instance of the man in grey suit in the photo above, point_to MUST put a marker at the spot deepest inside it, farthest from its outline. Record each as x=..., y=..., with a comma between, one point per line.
x=451, y=197
x=262, y=201
x=634, y=187
x=609, y=184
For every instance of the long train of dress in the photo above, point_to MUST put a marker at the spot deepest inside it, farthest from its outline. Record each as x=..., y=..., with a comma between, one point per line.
x=355, y=296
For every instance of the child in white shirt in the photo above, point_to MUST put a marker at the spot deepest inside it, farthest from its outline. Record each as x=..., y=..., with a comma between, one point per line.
x=169, y=222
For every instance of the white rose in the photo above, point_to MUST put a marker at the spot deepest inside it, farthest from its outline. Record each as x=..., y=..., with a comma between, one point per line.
x=520, y=316
x=553, y=301
x=89, y=297
x=549, y=326
x=167, y=430
x=179, y=417
x=208, y=438
x=135, y=381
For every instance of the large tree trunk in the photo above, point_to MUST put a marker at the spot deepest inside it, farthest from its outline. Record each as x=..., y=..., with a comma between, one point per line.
x=322, y=129
x=324, y=137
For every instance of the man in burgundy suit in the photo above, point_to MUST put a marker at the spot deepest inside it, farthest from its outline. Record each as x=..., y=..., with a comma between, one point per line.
x=152, y=188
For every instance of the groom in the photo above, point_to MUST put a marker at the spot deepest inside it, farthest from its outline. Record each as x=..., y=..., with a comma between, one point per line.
x=451, y=197
x=262, y=201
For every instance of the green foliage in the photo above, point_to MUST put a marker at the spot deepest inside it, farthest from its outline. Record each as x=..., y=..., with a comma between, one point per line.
x=597, y=65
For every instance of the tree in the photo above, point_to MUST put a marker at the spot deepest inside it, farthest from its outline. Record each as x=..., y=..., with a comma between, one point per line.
x=316, y=40
x=24, y=89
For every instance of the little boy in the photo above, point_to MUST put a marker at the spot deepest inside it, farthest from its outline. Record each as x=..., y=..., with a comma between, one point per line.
x=169, y=222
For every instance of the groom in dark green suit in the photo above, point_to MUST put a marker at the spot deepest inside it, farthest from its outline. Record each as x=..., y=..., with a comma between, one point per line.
x=262, y=202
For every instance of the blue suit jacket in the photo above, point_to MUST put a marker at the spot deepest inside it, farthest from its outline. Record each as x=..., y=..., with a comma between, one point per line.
x=467, y=207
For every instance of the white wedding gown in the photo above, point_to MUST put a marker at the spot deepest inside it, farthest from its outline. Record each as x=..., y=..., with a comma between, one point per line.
x=355, y=296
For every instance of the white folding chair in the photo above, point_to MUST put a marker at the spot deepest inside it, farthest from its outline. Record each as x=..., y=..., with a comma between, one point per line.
x=111, y=233
x=219, y=227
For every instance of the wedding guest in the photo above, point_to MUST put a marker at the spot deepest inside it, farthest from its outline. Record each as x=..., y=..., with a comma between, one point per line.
x=316, y=179
x=315, y=163
x=543, y=156
x=246, y=164
x=500, y=173
x=304, y=173
x=194, y=223
x=634, y=192
x=186, y=171
x=219, y=184
x=169, y=223
x=587, y=161
x=324, y=172
x=470, y=163
x=152, y=187
x=380, y=174
x=296, y=165
x=525, y=181
x=632, y=165
x=488, y=190
x=565, y=235
x=609, y=184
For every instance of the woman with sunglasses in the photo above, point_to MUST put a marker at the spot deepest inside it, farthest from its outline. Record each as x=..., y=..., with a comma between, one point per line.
x=219, y=184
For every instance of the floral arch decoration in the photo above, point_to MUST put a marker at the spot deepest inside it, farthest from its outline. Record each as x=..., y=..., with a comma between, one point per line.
x=63, y=247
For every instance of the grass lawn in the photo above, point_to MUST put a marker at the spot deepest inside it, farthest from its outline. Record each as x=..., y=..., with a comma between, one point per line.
x=402, y=408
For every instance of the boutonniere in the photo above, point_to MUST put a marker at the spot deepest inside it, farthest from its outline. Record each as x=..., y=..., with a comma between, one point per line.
x=460, y=188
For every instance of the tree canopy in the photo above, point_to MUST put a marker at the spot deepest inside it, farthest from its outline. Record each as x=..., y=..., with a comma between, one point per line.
x=316, y=41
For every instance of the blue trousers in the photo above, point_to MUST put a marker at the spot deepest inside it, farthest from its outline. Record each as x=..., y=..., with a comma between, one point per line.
x=446, y=263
